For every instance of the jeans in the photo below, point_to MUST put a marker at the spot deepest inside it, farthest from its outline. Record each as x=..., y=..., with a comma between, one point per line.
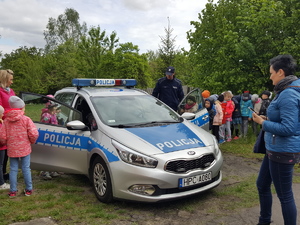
x=222, y=132
x=14, y=166
x=2, y=156
x=227, y=130
x=282, y=177
x=244, y=126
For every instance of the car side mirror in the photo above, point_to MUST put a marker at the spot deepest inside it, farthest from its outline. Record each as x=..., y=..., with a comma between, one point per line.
x=188, y=116
x=76, y=125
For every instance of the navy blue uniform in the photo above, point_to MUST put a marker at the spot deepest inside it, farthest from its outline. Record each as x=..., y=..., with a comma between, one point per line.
x=169, y=91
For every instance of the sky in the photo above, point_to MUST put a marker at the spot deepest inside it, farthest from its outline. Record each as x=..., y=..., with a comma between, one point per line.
x=142, y=22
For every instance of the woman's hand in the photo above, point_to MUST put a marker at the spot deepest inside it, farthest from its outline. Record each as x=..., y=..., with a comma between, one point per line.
x=258, y=119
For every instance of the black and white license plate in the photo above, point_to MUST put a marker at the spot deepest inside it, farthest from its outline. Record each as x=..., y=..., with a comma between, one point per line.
x=197, y=179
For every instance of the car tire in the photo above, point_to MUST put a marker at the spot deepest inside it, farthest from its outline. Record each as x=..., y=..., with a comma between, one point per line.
x=101, y=181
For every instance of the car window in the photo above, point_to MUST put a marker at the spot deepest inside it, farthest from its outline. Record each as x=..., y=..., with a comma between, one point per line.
x=43, y=109
x=66, y=98
x=87, y=115
x=128, y=110
x=193, y=102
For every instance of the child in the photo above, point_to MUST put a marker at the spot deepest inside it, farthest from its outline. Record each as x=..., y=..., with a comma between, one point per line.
x=236, y=117
x=265, y=97
x=217, y=122
x=18, y=133
x=227, y=107
x=227, y=112
x=3, y=185
x=209, y=105
x=246, y=113
x=191, y=105
x=49, y=115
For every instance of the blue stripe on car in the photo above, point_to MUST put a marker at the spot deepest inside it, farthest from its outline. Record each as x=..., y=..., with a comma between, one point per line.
x=72, y=141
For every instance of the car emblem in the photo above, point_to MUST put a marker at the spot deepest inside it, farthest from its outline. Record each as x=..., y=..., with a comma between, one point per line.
x=191, y=153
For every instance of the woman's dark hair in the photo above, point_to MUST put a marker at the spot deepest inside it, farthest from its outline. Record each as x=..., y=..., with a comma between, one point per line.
x=285, y=62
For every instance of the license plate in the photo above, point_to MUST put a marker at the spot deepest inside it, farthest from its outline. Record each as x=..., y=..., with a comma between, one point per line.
x=197, y=179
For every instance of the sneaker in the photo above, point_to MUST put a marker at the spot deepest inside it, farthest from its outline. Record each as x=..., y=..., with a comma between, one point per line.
x=221, y=141
x=4, y=186
x=235, y=138
x=45, y=175
x=229, y=140
x=27, y=192
x=54, y=174
x=12, y=194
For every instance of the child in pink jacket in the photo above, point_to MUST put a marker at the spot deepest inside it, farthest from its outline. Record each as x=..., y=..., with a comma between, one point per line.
x=18, y=132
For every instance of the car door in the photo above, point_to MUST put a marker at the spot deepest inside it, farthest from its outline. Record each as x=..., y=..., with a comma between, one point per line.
x=201, y=117
x=57, y=148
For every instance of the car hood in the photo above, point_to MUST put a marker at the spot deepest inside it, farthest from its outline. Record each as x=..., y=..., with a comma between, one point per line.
x=163, y=139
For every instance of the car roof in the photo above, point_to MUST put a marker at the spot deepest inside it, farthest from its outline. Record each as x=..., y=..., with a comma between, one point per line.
x=104, y=91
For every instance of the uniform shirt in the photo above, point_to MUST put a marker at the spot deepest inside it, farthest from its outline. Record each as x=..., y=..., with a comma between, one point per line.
x=169, y=91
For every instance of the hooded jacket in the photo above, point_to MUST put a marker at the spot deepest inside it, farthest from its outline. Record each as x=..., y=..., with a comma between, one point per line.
x=282, y=129
x=18, y=132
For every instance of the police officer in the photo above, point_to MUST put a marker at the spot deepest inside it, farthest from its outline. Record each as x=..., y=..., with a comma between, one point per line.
x=169, y=89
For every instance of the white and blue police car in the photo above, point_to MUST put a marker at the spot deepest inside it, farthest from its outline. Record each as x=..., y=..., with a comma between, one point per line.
x=131, y=145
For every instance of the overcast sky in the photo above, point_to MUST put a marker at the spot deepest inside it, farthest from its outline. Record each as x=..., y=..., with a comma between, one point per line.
x=141, y=22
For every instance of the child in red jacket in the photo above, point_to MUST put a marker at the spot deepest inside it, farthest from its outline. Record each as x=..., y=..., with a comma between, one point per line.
x=227, y=108
x=18, y=133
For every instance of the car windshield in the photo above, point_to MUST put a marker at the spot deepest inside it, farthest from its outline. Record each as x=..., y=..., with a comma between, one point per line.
x=127, y=111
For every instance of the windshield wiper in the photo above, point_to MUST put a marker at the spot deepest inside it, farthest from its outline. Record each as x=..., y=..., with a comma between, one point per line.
x=159, y=122
x=145, y=124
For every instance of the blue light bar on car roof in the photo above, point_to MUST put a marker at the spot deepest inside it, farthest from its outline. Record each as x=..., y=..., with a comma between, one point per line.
x=92, y=82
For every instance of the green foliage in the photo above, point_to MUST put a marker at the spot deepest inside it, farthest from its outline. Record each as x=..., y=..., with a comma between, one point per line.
x=235, y=39
x=167, y=48
x=66, y=27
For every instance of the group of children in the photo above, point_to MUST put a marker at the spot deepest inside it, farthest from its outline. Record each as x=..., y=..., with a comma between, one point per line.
x=230, y=114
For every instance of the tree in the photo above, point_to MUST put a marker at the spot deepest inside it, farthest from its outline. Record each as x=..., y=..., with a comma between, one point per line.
x=64, y=28
x=28, y=67
x=127, y=63
x=167, y=48
x=92, y=49
x=235, y=39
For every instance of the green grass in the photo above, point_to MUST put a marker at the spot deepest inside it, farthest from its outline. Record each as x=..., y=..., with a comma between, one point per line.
x=34, y=111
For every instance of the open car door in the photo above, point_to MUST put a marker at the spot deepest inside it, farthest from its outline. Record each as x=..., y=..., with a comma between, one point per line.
x=195, y=112
x=57, y=147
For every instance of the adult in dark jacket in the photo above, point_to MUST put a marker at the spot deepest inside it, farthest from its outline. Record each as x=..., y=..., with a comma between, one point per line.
x=282, y=141
x=169, y=89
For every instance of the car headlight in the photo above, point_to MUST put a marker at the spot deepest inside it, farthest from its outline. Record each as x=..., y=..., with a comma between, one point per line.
x=133, y=157
x=216, y=145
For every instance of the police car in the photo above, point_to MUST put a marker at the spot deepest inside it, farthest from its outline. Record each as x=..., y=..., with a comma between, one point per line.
x=130, y=145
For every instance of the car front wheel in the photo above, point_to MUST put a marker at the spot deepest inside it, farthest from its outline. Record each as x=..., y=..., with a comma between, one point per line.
x=101, y=181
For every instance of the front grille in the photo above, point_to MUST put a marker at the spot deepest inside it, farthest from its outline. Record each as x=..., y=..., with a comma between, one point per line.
x=183, y=166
